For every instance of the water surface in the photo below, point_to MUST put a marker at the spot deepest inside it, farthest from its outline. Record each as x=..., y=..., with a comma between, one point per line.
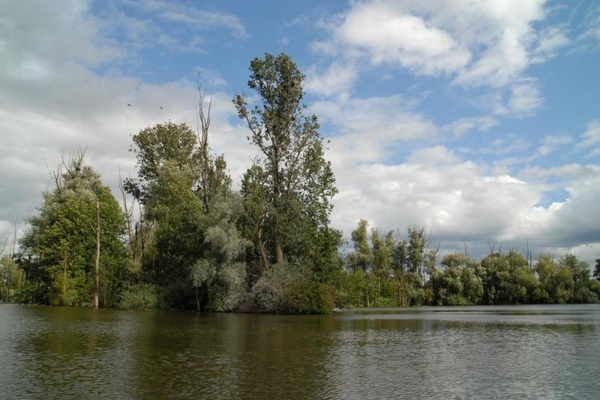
x=549, y=352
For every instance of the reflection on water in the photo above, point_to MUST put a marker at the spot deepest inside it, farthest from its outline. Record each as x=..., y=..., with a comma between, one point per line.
x=461, y=353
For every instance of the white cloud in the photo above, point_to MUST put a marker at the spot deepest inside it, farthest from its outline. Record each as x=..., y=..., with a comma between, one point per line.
x=58, y=96
x=436, y=189
x=77, y=36
x=551, y=39
x=390, y=36
x=195, y=18
x=478, y=43
x=551, y=142
x=576, y=221
x=53, y=102
x=525, y=99
x=589, y=38
x=467, y=124
x=456, y=199
x=591, y=139
x=337, y=80
x=367, y=130
x=507, y=144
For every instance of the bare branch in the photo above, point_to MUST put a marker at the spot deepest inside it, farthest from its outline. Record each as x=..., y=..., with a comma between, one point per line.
x=491, y=246
x=14, y=243
x=202, y=132
x=4, y=245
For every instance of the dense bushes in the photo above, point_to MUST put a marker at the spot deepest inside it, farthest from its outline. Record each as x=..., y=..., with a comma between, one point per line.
x=144, y=296
x=291, y=289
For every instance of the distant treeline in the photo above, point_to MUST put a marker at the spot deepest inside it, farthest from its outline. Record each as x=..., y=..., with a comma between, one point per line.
x=180, y=237
x=385, y=271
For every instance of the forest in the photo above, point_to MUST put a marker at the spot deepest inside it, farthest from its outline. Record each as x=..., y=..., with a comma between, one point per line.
x=177, y=236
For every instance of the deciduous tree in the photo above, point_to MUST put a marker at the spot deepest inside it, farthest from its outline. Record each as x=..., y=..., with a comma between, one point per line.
x=291, y=182
x=74, y=246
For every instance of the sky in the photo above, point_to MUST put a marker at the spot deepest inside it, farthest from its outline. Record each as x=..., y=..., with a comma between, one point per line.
x=476, y=120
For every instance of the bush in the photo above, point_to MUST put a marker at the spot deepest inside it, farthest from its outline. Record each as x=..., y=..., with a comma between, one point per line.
x=292, y=289
x=30, y=293
x=140, y=297
x=229, y=291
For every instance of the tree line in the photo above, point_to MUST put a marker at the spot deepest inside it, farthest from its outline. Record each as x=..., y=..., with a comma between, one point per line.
x=181, y=237
x=386, y=270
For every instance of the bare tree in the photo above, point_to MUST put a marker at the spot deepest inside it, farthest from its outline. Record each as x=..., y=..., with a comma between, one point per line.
x=202, y=128
x=4, y=245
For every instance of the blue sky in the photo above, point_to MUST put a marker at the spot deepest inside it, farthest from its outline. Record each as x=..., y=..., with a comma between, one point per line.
x=477, y=120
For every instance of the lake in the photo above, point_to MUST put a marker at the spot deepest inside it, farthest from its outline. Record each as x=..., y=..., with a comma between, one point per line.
x=539, y=352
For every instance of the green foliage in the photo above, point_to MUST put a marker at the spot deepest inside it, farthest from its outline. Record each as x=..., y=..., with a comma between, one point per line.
x=390, y=272
x=597, y=269
x=177, y=214
x=197, y=244
x=144, y=296
x=10, y=278
x=220, y=273
x=292, y=289
x=156, y=145
x=361, y=258
x=178, y=184
x=58, y=250
x=287, y=191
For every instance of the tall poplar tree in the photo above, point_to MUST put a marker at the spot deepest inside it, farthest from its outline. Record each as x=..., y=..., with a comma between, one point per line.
x=289, y=188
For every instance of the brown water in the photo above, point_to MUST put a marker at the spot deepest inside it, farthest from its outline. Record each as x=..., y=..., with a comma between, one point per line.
x=545, y=352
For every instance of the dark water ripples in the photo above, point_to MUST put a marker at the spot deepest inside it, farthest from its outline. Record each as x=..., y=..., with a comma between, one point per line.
x=550, y=352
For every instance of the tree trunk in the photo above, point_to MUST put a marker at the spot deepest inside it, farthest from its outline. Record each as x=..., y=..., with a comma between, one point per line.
x=261, y=242
x=64, y=296
x=263, y=254
x=278, y=249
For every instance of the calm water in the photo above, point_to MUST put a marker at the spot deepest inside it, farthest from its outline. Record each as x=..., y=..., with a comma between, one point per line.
x=540, y=352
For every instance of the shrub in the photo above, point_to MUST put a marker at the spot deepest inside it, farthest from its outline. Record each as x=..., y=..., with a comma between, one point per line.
x=140, y=297
x=292, y=289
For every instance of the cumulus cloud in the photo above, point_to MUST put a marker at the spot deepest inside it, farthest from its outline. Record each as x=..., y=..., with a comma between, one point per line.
x=55, y=101
x=368, y=130
x=387, y=35
x=456, y=199
x=337, y=80
x=385, y=149
x=436, y=189
x=476, y=42
x=573, y=222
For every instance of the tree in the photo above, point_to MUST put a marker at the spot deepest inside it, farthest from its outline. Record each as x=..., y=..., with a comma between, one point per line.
x=153, y=147
x=362, y=251
x=597, y=269
x=580, y=271
x=177, y=213
x=416, y=250
x=9, y=276
x=177, y=184
x=291, y=182
x=61, y=250
x=545, y=269
x=221, y=271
